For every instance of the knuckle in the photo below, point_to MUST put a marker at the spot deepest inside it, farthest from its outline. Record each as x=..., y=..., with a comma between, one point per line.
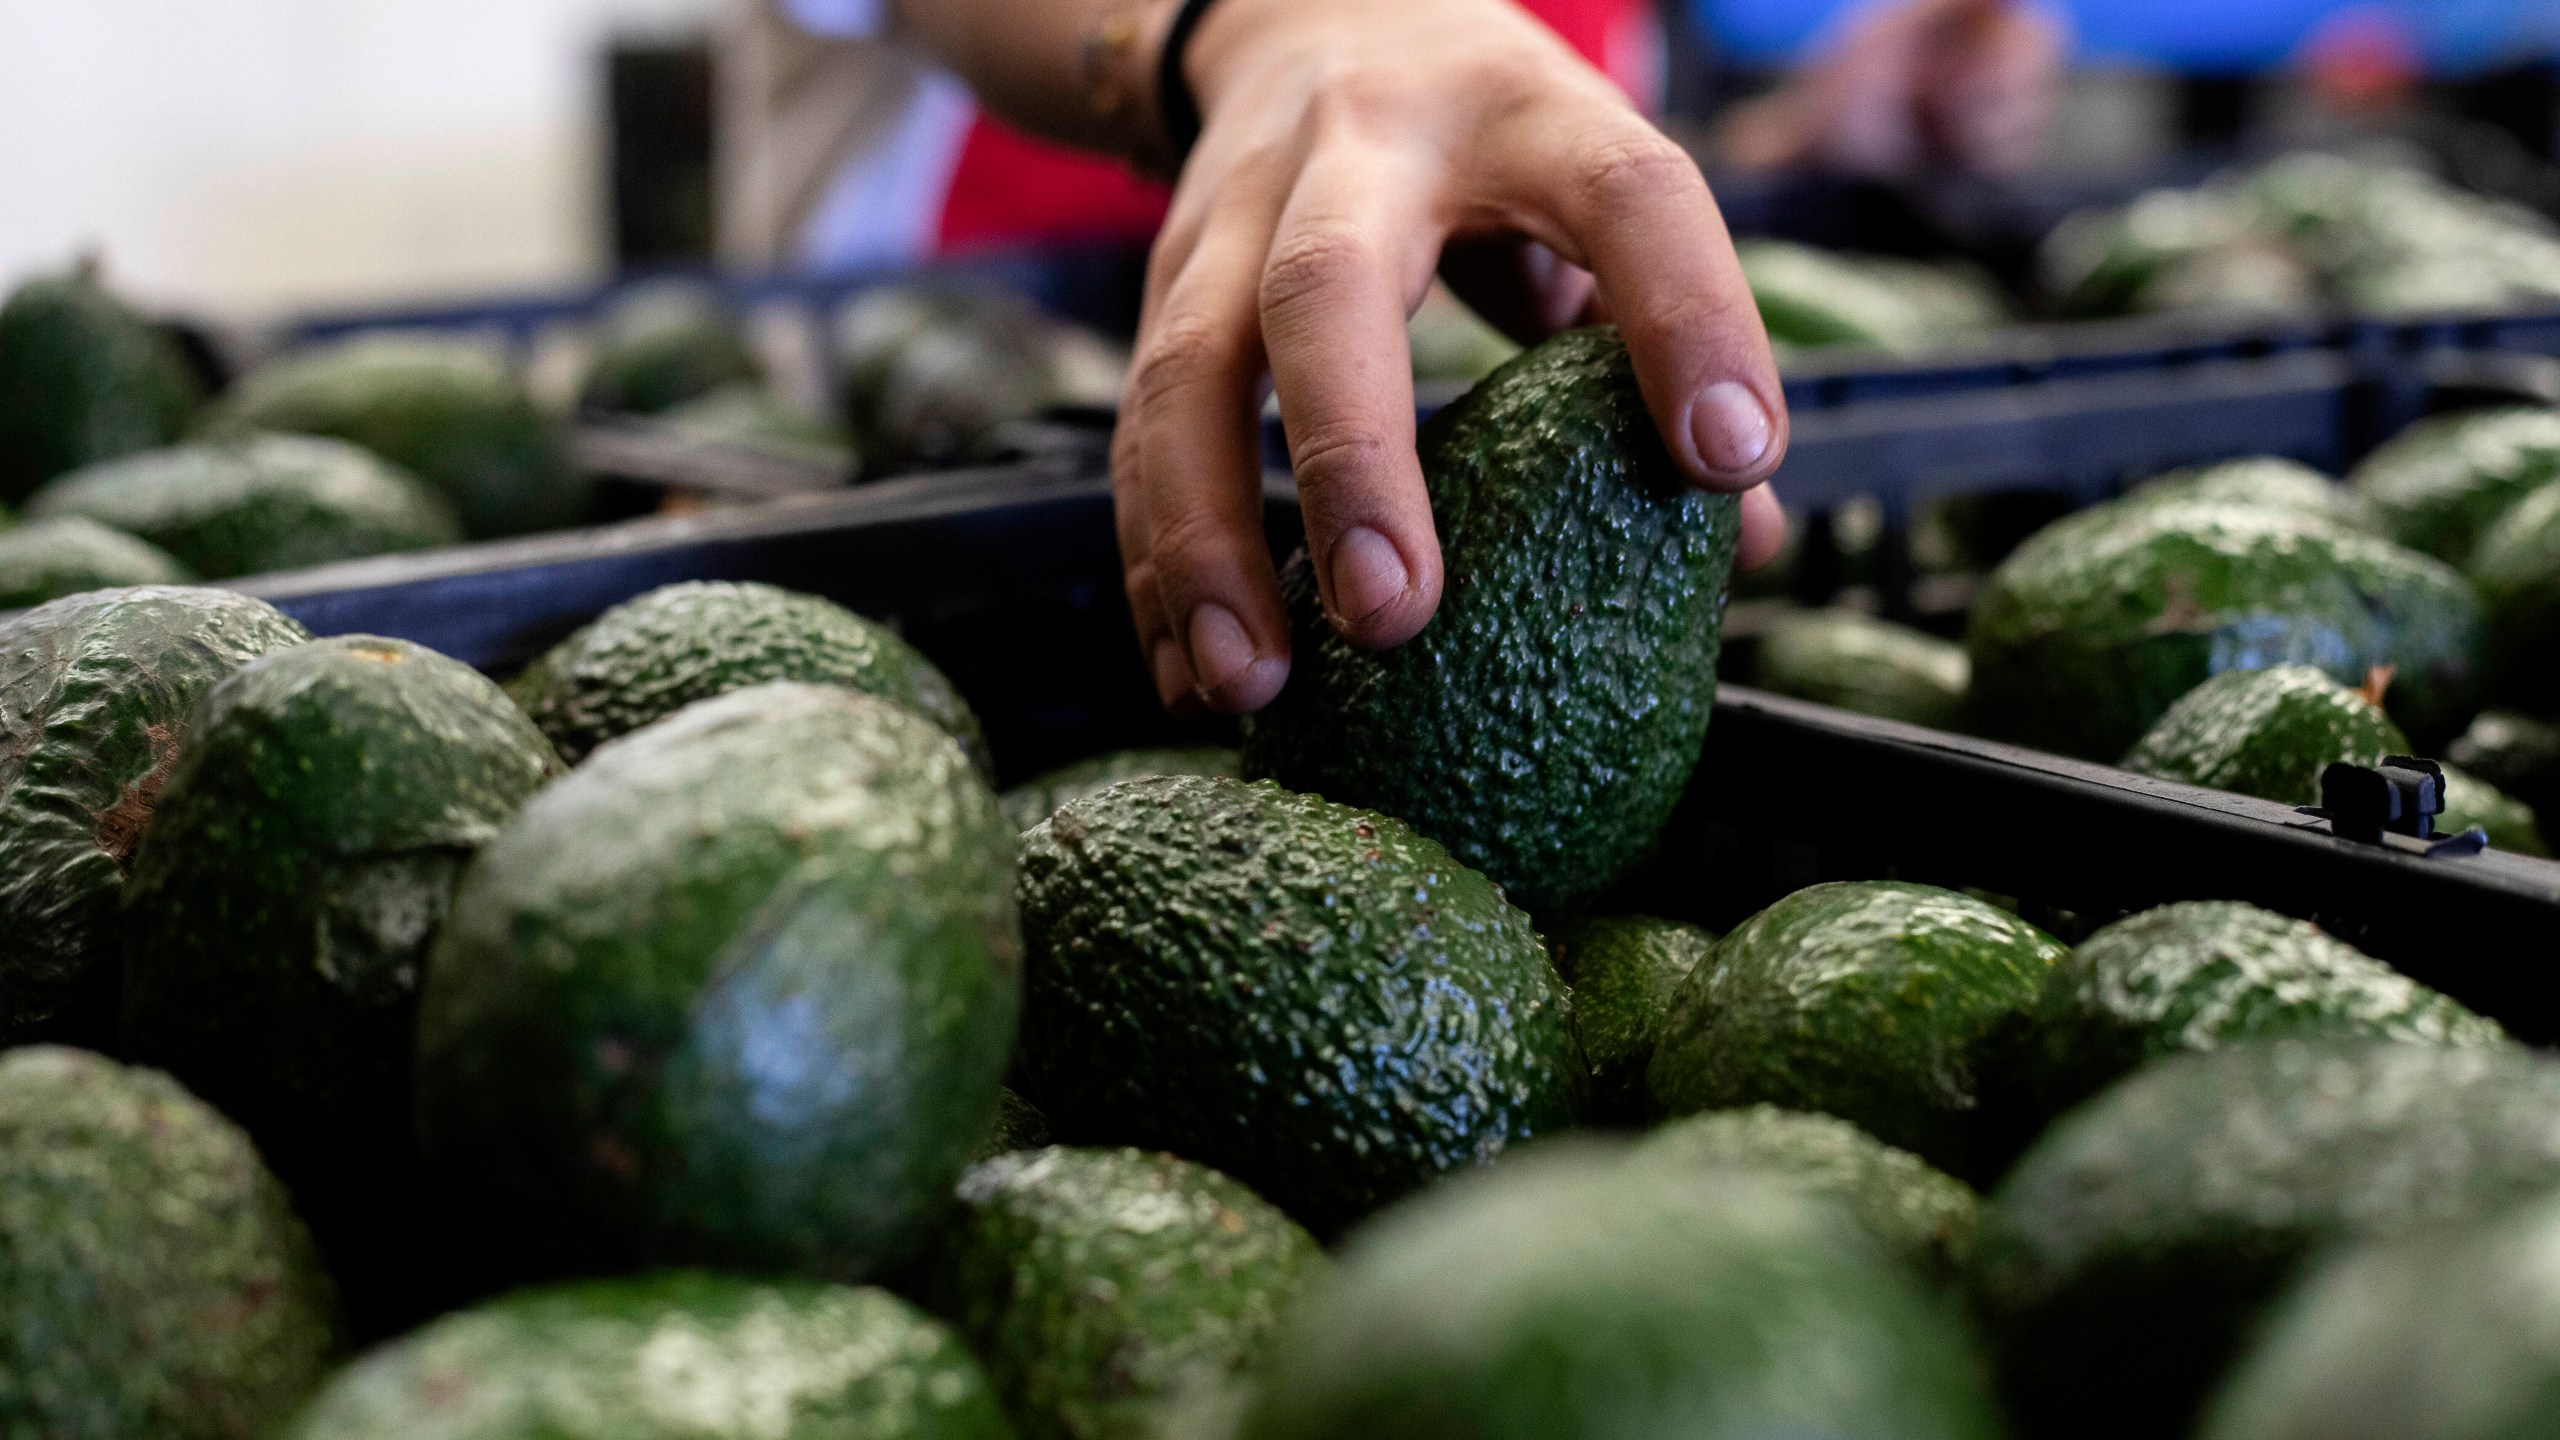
x=1335, y=453
x=1185, y=539
x=1627, y=169
x=1185, y=352
x=1314, y=261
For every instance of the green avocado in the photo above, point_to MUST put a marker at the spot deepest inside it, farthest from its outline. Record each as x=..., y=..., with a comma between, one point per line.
x=2123, y=1261
x=658, y=346
x=2513, y=752
x=95, y=693
x=752, y=417
x=2435, y=1337
x=738, y=990
x=2085, y=636
x=1103, y=1286
x=2441, y=485
x=1868, y=1000
x=2265, y=481
x=304, y=852
x=1036, y=800
x=2152, y=254
x=1922, y=1215
x=2207, y=974
x=1451, y=344
x=154, y=1283
x=82, y=379
x=2509, y=823
x=1875, y=667
x=1019, y=1126
x=1572, y=1296
x=2517, y=568
x=1624, y=971
x=677, y=1356
x=1545, y=722
x=1312, y=998
x=262, y=503
x=1813, y=298
x=446, y=411
x=649, y=657
x=2268, y=733
x=48, y=559
x=930, y=372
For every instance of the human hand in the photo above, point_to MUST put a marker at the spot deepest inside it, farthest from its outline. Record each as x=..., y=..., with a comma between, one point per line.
x=1346, y=147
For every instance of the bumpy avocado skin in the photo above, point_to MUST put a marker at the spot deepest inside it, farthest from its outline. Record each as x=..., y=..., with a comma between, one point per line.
x=1544, y=723
x=85, y=379
x=651, y=656
x=154, y=1283
x=267, y=502
x=1572, y=1294
x=739, y=991
x=674, y=1356
x=1036, y=800
x=1923, y=1215
x=1868, y=1000
x=2085, y=637
x=279, y=914
x=48, y=559
x=2207, y=974
x=95, y=694
x=1311, y=998
x=2268, y=733
x=2517, y=568
x=1624, y=971
x=1102, y=1286
x=1875, y=667
x=2265, y=481
x=2127, y=1257
x=657, y=348
x=445, y=411
x=2442, y=483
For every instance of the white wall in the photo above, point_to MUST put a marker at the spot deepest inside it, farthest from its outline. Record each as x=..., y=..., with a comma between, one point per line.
x=255, y=157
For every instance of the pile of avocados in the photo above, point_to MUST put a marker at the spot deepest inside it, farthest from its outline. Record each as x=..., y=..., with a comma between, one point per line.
x=688, y=1041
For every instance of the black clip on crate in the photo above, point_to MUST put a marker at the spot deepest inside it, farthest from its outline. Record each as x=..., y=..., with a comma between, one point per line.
x=2394, y=803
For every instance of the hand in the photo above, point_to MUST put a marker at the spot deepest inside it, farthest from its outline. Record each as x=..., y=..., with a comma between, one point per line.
x=1350, y=148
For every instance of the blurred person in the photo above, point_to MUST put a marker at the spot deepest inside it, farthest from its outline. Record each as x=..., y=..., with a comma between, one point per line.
x=1328, y=157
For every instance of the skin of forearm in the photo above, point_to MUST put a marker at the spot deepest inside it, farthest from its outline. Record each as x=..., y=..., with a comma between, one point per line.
x=1080, y=72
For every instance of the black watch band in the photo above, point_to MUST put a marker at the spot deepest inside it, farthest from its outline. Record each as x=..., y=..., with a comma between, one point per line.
x=1177, y=110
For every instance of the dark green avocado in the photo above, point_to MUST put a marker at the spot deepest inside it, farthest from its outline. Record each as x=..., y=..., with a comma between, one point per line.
x=278, y=918
x=2509, y=823
x=749, y=416
x=1624, y=971
x=95, y=692
x=678, y=1356
x=2267, y=733
x=1875, y=667
x=2085, y=636
x=739, y=990
x=2517, y=568
x=661, y=345
x=49, y=559
x=1019, y=1126
x=2125, y=1260
x=2204, y=975
x=1311, y=998
x=1102, y=1287
x=2515, y=753
x=1036, y=800
x=2441, y=485
x=1569, y=1295
x=652, y=656
x=1544, y=723
x=445, y=411
x=930, y=372
x=82, y=379
x=154, y=1283
x=1922, y=1215
x=1868, y=1000
x=2266, y=482
x=267, y=502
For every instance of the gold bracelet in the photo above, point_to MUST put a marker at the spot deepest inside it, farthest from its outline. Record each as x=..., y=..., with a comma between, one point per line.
x=1119, y=82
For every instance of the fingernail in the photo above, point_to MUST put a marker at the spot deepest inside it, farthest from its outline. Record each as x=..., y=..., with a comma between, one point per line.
x=1220, y=650
x=1731, y=427
x=1368, y=574
x=1173, y=677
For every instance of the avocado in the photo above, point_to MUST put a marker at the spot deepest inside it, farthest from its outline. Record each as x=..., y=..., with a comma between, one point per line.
x=679, y=1356
x=154, y=1283
x=2515, y=753
x=1875, y=667
x=1572, y=1295
x=2509, y=823
x=754, y=418
x=279, y=913
x=1100, y=1286
x=1019, y=1126
x=95, y=692
x=82, y=379
x=1812, y=298
x=931, y=372
x=446, y=411
x=1311, y=998
x=2128, y=1255
x=267, y=502
x=48, y=559
x=1451, y=345
x=1036, y=800
x=2443, y=482
x=649, y=657
x=2517, y=568
x=2434, y=1337
x=1922, y=1215
x=2266, y=481
x=2151, y=254
x=2206, y=974
x=1545, y=722
x=660, y=345
x=738, y=990
x=1868, y=1000
x=2086, y=635
x=2268, y=733
x=1624, y=971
